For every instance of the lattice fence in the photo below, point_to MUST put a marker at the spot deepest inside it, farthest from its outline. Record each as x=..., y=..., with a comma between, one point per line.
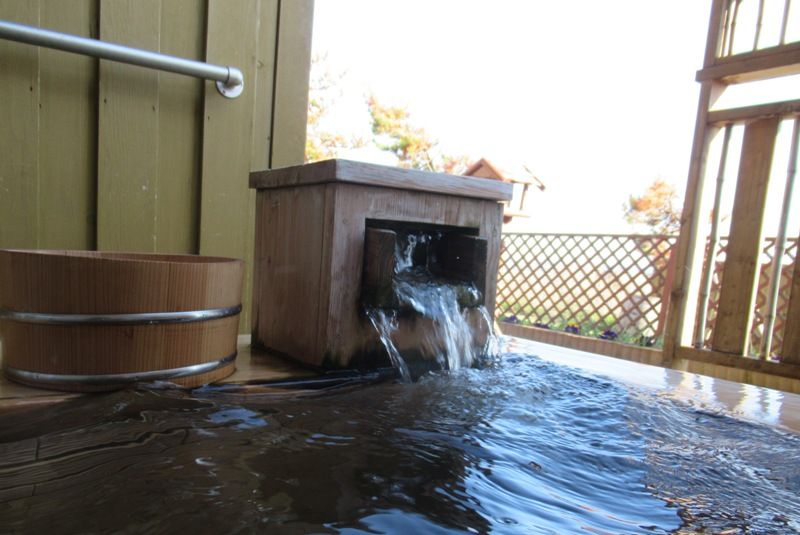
x=610, y=286
x=613, y=286
x=760, y=312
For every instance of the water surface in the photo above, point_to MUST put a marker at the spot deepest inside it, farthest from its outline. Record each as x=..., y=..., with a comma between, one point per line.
x=522, y=446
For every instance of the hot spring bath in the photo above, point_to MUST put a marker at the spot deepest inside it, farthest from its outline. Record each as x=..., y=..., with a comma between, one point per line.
x=523, y=445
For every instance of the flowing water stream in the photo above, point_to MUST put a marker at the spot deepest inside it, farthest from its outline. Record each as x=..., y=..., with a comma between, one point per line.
x=450, y=338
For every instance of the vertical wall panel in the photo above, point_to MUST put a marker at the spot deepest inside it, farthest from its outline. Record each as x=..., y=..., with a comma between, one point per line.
x=129, y=134
x=262, y=84
x=180, y=137
x=68, y=132
x=291, y=72
x=262, y=131
x=19, y=132
x=226, y=212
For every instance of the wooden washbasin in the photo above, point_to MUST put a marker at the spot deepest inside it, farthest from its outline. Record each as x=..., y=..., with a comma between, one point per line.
x=91, y=321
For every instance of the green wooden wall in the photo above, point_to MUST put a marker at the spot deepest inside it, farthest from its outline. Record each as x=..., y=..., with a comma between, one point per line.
x=100, y=155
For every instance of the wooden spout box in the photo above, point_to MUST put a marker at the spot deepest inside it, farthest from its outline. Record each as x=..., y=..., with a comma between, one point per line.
x=311, y=222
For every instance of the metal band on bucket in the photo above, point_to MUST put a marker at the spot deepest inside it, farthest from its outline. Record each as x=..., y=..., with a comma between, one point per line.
x=115, y=379
x=147, y=318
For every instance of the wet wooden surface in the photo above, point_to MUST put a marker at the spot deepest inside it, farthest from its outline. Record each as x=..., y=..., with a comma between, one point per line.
x=753, y=403
x=368, y=174
x=252, y=366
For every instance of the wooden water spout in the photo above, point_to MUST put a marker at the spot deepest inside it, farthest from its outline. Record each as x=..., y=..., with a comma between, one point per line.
x=325, y=240
x=446, y=256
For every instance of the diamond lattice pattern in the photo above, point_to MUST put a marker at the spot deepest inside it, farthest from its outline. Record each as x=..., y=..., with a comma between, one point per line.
x=589, y=283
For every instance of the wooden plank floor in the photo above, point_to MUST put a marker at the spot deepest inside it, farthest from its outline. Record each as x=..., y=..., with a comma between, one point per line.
x=252, y=366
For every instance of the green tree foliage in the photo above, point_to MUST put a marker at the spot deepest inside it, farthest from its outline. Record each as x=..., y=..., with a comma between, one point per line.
x=413, y=146
x=323, y=92
x=656, y=208
x=394, y=133
x=392, y=129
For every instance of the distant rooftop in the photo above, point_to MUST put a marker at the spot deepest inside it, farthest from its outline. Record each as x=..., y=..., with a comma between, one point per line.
x=518, y=174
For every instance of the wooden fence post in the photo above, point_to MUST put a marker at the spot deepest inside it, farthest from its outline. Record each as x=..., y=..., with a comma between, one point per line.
x=740, y=275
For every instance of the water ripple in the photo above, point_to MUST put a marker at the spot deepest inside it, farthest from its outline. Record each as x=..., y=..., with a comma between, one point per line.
x=523, y=446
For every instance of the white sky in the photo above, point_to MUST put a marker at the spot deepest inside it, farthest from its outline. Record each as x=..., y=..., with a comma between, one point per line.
x=597, y=98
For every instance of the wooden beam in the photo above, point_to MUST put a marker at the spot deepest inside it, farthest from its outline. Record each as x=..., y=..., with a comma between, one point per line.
x=380, y=266
x=780, y=369
x=463, y=258
x=716, y=25
x=380, y=261
x=750, y=113
x=689, y=250
x=781, y=60
x=666, y=294
x=238, y=133
x=682, y=307
x=739, y=279
x=262, y=84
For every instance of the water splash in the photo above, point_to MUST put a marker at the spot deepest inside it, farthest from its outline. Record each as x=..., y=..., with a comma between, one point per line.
x=386, y=324
x=404, y=254
x=450, y=331
x=493, y=346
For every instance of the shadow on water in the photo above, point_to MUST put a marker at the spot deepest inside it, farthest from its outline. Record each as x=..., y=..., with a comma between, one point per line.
x=521, y=446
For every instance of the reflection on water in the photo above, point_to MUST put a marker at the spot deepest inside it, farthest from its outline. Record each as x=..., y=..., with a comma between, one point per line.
x=524, y=445
x=762, y=405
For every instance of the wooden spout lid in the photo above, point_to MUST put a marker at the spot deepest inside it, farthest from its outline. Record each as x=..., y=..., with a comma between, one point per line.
x=368, y=174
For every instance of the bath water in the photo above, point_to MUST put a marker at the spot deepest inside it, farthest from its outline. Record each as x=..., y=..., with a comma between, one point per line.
x=520, y=446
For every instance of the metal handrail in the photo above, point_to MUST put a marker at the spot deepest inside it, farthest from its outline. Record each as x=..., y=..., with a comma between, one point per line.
x=230, y=80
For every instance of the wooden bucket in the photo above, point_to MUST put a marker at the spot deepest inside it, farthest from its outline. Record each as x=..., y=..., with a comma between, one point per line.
x=91, y=321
